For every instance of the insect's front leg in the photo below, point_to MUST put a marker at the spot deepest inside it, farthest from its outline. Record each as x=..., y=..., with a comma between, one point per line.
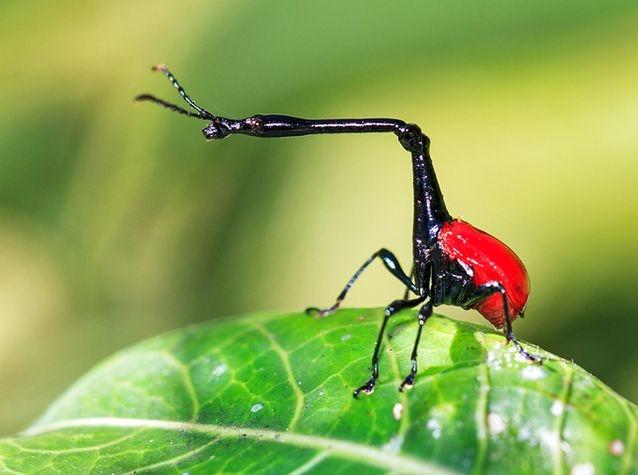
x=390, y=262
x=406, y=293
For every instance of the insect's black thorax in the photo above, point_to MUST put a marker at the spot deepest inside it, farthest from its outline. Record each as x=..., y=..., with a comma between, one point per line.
x=451, y=282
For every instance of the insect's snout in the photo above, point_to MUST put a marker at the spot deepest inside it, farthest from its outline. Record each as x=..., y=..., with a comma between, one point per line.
x=215, y=131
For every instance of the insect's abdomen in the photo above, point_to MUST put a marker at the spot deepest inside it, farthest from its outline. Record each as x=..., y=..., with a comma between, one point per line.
x=491, y=261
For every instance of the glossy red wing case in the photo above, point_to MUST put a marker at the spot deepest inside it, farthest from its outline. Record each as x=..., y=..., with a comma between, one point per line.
x=490, y=261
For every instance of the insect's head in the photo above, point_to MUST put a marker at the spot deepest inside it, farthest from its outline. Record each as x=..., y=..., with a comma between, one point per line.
x=218, y=128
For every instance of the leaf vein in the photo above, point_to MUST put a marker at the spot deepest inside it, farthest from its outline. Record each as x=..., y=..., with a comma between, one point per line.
x=310, y=464
x=283, y=356
x=187, y=381
x=561, y=417
x=482, y=407
x=90, y=448
x=370, y=455
x=174, y=460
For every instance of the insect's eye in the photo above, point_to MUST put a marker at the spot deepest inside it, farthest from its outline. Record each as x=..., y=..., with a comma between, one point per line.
x=215, y=131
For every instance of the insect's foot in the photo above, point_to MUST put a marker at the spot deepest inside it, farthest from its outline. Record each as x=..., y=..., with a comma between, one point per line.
x=408, y=382
x=530, y=357
x=509, y=337
x=526, y=355
x=367, y=388
x=321, y=312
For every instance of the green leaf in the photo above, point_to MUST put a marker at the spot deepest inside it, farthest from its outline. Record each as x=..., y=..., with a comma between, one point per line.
x=273, y=394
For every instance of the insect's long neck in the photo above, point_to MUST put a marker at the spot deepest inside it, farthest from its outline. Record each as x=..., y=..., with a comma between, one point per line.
x=429, y=208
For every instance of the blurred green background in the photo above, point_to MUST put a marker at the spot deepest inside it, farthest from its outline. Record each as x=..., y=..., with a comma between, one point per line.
x=117, y=220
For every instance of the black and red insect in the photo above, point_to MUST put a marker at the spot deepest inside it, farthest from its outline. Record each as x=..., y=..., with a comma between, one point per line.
x=454, y=263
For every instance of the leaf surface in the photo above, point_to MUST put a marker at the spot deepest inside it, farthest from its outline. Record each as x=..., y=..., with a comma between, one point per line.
x=273, y=394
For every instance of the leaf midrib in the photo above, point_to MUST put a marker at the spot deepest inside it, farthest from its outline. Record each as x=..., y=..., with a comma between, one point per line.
x=368, y=455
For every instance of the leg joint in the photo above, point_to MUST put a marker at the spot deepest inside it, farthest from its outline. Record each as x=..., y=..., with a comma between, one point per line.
x=411, y=137
x=495, y=286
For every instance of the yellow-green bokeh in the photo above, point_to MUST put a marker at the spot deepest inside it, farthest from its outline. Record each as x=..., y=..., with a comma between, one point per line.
x=118, y=222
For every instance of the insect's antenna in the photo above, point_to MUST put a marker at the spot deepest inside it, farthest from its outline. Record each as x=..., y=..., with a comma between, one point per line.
x=203, y=113
x=168, y=105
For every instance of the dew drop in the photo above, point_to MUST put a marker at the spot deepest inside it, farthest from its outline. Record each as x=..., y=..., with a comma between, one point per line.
x=583, y=469
x=533, y=373
x=557, y=408
x=435, y=427
x=397, y=411
x=496, y=423
x=256, y=408
x=219, y=370
x=549, y=439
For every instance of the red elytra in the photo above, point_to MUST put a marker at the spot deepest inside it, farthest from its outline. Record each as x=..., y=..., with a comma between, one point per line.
x=491, y=261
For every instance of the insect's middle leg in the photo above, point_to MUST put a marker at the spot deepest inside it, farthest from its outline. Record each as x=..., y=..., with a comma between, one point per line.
x=389, y=261
x=424, y=314
x=394, y=307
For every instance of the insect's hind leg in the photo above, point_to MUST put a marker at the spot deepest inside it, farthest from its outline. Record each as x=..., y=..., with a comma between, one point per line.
x=487, y=290
x=509, y=336
x=394, y=307
x=390, y=262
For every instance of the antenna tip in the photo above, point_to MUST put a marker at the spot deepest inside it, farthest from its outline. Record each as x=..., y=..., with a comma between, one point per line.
x=161, y=67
